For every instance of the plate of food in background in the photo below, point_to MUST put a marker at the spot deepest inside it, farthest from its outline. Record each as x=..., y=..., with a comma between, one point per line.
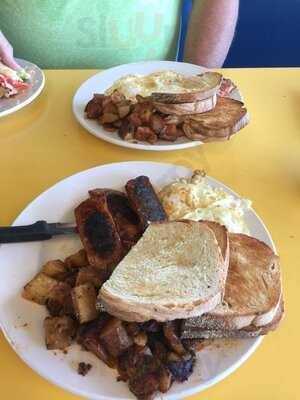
x=160, y=105
x=133, y=300
x=19, y=88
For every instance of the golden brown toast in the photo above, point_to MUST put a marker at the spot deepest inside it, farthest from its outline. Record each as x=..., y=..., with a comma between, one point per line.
x=228, y=117
x=253, y=289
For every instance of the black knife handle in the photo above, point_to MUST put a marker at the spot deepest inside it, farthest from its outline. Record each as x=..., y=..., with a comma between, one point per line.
x=27, y=233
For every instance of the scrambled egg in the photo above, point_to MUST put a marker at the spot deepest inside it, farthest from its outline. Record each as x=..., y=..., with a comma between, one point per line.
x=196, y=199
x=161, y=82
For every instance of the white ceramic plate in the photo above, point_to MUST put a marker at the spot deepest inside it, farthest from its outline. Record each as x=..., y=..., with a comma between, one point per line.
x=22, y=320
x=103, y=80
x=35, y=86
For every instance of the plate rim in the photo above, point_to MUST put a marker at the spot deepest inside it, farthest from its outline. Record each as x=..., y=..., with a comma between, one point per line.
x=123, y=143
x=197, y=388
x=31, y=98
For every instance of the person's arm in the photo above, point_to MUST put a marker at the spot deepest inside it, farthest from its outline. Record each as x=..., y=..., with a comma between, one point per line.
x=7, y=53
x=210, y=32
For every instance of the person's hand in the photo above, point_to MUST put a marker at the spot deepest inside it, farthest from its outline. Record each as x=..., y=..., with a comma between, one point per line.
x=7, y=53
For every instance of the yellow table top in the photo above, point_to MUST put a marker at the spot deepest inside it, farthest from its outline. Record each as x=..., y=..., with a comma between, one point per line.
x=43, y=143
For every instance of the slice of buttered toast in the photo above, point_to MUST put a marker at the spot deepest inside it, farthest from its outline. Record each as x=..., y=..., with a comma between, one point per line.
x=176, y=270
x=228, y=117
x=253, y=291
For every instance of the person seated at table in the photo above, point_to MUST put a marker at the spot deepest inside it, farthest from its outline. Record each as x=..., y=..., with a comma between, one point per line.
x=103, y=33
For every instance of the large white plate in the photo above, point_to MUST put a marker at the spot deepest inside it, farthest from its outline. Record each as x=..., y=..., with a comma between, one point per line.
x=22, y=321
x=103, y=80
x=35, y=86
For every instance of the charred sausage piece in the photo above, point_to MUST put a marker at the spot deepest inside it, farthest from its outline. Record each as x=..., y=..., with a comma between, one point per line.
x=171, y=333
x=181, y=367
x=144, y=201
x=126, y=220
x=114, y=337
x=98, y=233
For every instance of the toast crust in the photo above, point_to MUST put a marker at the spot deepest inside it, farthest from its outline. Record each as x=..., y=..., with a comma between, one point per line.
x=211, y=82
x=222, y=236
x=196, y=107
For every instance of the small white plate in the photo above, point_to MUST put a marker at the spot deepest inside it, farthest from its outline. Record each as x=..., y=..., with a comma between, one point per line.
x=22, y=320
x=35, y=86
x=103, y=80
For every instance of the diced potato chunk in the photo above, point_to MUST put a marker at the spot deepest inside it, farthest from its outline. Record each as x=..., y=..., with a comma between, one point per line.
x=165, y=380
x=59, y=301
x=77, y=260
x=38, y=288
x=89, y=275
x=84, y=302
x=140, y=339
x=59, y=332
x=55, y=269
x=115, y=337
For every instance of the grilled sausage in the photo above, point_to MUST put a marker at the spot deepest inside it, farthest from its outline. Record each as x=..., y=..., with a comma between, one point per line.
x=98, y=233
x=144, y=201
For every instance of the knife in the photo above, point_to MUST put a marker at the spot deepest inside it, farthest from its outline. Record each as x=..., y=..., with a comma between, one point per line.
x=40, y=230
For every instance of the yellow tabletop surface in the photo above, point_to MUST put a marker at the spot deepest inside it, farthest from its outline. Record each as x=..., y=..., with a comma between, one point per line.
x=43, y=143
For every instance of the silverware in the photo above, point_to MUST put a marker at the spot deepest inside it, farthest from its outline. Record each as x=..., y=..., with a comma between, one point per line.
x=40, y=230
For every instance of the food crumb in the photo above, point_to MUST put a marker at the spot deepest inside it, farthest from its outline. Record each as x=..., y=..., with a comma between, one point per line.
x=83, y=368
x=65, y=351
